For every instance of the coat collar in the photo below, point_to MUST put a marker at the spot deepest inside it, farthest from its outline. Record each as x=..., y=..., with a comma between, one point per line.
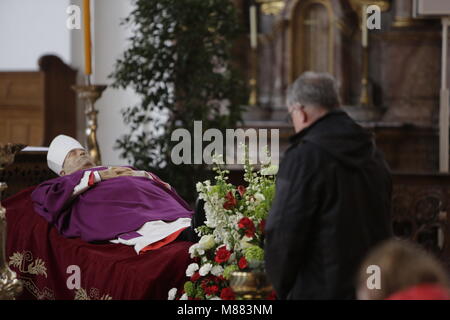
x=297, y=137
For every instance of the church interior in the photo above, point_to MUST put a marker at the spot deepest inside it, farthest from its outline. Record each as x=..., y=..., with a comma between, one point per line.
x=62, y=72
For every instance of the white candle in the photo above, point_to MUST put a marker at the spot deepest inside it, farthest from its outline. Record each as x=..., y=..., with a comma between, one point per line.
x=364, y=29
x=253, y=28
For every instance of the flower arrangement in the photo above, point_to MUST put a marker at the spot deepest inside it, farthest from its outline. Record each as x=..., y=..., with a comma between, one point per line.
x=232, y=238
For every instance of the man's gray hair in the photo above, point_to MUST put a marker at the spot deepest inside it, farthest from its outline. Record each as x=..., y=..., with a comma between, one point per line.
x=314, y=89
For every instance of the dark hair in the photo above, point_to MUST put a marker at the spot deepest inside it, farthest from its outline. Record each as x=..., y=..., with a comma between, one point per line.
x=314, y=89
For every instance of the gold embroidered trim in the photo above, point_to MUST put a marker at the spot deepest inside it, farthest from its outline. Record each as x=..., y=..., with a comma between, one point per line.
x=94, y=294
x=36, y=267
x=25, y=263
x=46, y=293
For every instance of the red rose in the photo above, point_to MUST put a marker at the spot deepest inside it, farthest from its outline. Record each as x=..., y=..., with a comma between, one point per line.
x=227, y=294
x=231, y=201
x=241, y=190
x=242, y=263
x=248, y=226
x=262, y=226
x=222, y=255
x=211, y=290
x=195, y=276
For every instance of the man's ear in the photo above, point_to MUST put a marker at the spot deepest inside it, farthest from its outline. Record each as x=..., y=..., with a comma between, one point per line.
x=304, y=115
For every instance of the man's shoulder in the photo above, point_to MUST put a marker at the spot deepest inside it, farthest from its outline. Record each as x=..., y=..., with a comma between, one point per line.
x=303, y=157
x=303, y=150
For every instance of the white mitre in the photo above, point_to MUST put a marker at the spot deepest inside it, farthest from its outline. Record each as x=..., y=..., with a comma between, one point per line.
x=58, y=150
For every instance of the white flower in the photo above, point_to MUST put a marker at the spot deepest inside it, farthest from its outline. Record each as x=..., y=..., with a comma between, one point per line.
x=207, y=242
x=217, y=271
x=205, y=269
x=215, y=298
x=259, y=197
x=168, y=43
x=172, y=294
x=184, y=297
x=193, y=250
x=191, y=269
x=244, y=242
x=270, y=171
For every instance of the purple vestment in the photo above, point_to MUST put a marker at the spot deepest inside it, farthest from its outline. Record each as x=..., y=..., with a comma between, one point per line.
x=109, y=208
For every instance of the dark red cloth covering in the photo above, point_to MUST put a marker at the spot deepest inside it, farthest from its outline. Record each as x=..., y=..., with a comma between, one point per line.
x=41, y=257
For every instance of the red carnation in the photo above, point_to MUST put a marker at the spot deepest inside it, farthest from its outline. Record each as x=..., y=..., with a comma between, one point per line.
x=241, y=190
x=262, y=226
x=242, y=263
x=211, y=290
x=248, y=226
x=222, y=255
x=195, y=276
x=227, y=294
x=231, y=201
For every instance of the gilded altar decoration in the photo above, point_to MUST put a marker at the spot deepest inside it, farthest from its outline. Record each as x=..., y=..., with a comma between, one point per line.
x=94, y=294
x=271, y=7
x=10, y=286
x=360, y=7
x=357, y=4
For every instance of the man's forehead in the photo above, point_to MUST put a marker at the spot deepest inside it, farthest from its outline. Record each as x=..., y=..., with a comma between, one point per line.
x=73, y=151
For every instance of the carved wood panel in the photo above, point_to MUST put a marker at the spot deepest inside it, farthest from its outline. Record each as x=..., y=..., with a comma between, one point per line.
x=420, y=205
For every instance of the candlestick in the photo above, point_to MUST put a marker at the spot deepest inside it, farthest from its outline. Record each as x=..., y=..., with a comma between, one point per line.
x=87, y=36
x=364, y=29
x=253, y=27
x=90, y=94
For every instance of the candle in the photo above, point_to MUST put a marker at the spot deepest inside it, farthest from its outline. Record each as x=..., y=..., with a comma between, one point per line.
x=87, y=36
x=253, y=28
x=364, y=29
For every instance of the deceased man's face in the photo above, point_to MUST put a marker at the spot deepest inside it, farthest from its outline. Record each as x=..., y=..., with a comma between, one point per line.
x=77, y=159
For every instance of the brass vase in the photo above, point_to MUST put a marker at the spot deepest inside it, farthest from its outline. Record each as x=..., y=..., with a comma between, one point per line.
x=250, y=285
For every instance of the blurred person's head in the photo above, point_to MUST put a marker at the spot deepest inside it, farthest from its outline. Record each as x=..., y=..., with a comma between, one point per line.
x=310, y=97
x=403, y=266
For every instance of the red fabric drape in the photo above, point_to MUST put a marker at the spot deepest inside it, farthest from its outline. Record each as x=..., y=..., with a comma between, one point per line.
x=46, y=261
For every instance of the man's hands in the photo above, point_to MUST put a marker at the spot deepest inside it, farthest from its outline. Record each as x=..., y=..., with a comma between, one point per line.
x=115, y=172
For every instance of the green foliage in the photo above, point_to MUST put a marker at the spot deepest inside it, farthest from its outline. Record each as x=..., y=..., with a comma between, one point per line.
x=189, y=288
x=179, y=63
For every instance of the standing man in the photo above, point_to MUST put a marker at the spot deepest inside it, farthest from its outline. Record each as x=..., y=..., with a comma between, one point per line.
x=332, y=202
